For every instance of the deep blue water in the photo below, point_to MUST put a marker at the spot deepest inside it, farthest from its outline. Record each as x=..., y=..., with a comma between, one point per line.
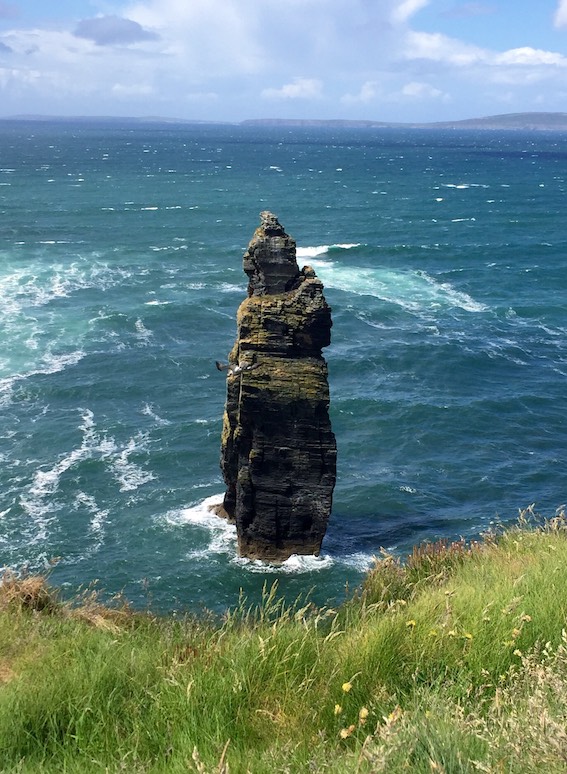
x=444, y=258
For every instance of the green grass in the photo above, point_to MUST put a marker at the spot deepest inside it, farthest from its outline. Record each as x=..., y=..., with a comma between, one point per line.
x=453, y=661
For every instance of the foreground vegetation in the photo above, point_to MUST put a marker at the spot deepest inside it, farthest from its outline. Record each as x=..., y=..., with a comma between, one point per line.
x=453, y=661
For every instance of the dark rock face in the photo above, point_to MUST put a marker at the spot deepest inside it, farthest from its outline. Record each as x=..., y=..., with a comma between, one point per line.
x=278, y=452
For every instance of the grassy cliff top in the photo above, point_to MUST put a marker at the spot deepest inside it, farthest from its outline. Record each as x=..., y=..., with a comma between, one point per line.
x=452, y=661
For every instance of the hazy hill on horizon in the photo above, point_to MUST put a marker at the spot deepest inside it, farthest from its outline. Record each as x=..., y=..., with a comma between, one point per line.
x=527, y=121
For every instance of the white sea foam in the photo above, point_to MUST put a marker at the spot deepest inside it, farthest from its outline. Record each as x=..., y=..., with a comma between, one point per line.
x=22, y=287
x=36, y=500
x=98, y=515
x=148, y=411
x=143, y=334
x=39, y=499
x=295, y=565
x=222, y=535
x=227, y=287
x=222, y=540
x=128, y=474
x=414, y=290
x=50, y=363
x=306, y=253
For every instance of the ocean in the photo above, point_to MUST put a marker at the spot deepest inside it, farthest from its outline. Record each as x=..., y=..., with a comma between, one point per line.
x=444, y=259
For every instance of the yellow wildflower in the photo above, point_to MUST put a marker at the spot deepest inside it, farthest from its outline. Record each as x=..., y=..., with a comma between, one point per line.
x=467, y=636
x=518, y=653
x=346, y=732
x=395, y=715
x=433, y=632
x=516, y=633
x=346, y=687
x=410, y=624
x=338, y=709
x=362, y=715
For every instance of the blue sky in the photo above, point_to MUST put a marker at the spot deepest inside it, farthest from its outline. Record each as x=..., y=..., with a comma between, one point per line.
x=384, y=60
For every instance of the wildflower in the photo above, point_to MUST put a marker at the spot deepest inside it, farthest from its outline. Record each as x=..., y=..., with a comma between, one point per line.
x=344, y=733
x=452, y=633
x=362, y=715
x=395, y=715
x=526, y=618
x=518, y=653
x=410, y=624
x=338, y=709
x=467, y=636
x=433, y=632
x=516, y=633
x=346, y=687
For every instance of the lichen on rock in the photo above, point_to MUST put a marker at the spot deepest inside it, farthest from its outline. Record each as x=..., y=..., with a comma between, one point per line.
x=278, y=451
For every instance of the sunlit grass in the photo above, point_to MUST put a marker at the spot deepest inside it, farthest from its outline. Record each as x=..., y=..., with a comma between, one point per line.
x=454, y=660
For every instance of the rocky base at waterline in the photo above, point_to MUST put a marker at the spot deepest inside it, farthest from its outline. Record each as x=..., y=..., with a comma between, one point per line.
x=278, y=451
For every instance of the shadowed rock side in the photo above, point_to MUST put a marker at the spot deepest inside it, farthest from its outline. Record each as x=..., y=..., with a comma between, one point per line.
x=278, y=452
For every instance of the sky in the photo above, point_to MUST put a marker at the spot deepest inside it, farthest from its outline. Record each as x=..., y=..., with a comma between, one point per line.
x=229, y=60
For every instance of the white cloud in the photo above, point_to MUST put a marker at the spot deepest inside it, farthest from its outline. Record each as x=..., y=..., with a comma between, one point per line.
x=403, y=11
x=440, y=48
x=560, y=19
x=527, y=56
x=207, y=39
x=421, y=90
x=367, y=93
x=299, y=88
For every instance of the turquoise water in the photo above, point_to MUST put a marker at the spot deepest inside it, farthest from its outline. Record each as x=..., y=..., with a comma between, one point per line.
x=444, y=258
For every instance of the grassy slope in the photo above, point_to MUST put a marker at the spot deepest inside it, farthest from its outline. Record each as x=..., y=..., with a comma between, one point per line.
x=454, y=662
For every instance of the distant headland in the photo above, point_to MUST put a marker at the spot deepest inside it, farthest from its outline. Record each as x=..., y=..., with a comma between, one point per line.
x=507, y=121
x=516, y=121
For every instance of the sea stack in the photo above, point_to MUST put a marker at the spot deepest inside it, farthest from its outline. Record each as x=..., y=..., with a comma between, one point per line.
x=278, y=452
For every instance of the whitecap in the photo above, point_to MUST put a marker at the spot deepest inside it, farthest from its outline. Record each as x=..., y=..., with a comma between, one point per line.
x=50, y=363
x=128, y=474
x=37, y=500
x=314, y=251
x=143, y=334
x=413, y=290
x=148, y=410
x=359, y=561
x=227, y=287
x=222, y=535
x=295, y=565
x=98, y=516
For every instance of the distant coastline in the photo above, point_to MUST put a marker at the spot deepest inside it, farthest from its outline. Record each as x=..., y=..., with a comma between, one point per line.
x=514, y=121
x=506, y=121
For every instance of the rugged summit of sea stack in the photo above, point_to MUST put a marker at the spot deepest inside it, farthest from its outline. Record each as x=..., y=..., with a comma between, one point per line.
x=278, y=451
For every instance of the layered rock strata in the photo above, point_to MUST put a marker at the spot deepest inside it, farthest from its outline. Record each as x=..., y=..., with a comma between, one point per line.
x=278, y=452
